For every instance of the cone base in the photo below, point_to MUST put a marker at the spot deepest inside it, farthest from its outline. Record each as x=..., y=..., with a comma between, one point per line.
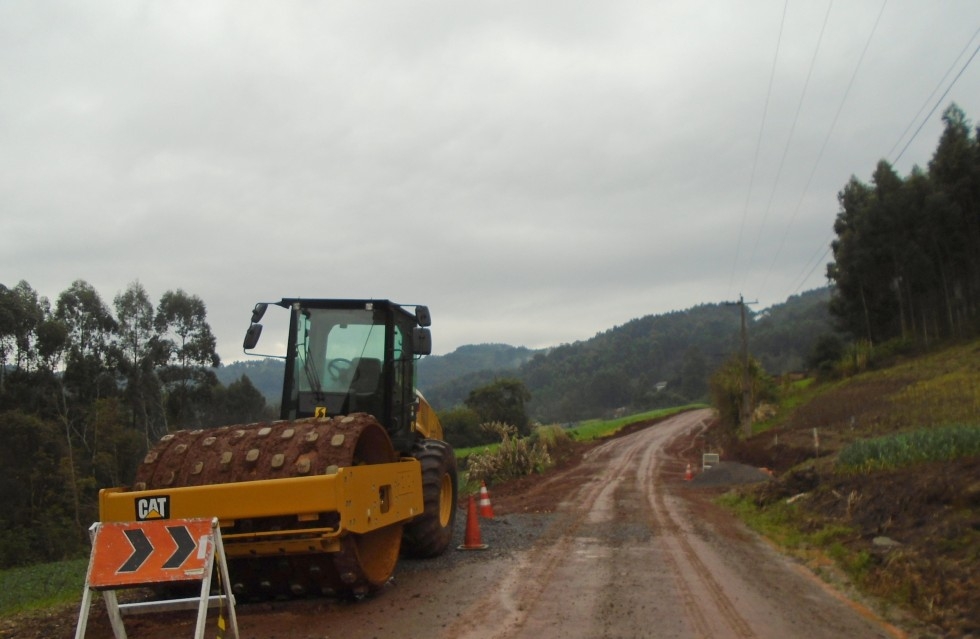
x=472, y=547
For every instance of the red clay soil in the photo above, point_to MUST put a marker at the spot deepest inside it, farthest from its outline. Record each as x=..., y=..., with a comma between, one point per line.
x=543, y=493
x=911, y=535
x=930, y=517
x=917, y=532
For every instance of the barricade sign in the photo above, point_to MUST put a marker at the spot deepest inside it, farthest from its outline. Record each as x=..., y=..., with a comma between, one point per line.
x=709, y=459
x=147, y=553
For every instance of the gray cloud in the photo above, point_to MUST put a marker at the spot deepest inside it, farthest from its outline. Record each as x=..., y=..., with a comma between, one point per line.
x=535, y=172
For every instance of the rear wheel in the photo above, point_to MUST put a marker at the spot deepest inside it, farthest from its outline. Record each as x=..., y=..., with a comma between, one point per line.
x=430, y=534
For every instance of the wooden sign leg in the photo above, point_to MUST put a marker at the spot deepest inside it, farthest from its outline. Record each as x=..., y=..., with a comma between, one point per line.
x=115, y=618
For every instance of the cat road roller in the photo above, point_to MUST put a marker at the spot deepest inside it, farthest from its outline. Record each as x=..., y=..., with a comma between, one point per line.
x=355, y=473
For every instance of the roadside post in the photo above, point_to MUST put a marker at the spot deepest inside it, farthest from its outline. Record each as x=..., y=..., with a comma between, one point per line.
x=162, y=551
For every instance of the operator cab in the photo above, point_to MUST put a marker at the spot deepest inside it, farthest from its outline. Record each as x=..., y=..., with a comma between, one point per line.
x=350, y=356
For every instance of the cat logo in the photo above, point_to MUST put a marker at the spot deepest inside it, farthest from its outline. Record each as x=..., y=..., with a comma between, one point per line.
x=153, y=508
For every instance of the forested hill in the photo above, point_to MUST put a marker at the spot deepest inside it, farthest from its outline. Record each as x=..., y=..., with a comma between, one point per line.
x=438, y=370
x=623, y=366
x=627, y=366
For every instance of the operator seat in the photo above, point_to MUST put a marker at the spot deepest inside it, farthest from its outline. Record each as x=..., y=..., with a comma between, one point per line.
x=364, y=395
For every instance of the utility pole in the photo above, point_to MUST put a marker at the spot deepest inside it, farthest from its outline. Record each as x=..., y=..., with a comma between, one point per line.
x=746, y=408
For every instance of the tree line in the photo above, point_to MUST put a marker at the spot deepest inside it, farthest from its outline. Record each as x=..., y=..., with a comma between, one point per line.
x=85, y=389
x=907, y=252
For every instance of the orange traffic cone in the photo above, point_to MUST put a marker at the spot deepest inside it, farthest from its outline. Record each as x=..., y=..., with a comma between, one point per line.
x=486, y=509
x=472, y=540
x=688, y=474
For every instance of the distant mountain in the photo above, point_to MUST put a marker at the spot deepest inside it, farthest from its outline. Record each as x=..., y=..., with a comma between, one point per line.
x=265, y=374
x=436, y=370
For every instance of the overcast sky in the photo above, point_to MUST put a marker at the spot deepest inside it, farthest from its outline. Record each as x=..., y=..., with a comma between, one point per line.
x=535, y=172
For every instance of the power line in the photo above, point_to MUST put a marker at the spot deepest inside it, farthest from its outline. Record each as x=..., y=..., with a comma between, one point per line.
x=792, y=130
x=938, y=102
x=758, y=143
x=825, y=247
x=817, y=258
x=952, y=65
x=826, y=141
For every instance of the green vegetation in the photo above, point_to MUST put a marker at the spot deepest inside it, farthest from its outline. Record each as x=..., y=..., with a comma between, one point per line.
x=796, y=532
x=890, y=497
x=41, y=585
x=727, y=394
x=907, y=253
x=514, y=456
x=905, y=449
x=599, y=428
x=85, y=388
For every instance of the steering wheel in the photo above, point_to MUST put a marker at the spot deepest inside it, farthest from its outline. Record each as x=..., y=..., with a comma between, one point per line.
x=338, y=367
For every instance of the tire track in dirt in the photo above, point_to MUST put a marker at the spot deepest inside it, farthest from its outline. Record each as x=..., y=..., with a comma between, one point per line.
x=596, y=571
x=630, y=554
x=691, y=573
x=505, y=613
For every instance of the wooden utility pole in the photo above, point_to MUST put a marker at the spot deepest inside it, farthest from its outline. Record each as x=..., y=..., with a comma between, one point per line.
x=745, y=416
x=746, y=382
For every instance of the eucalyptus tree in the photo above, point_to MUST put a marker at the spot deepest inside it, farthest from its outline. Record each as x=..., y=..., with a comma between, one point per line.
x=188, y=349
x=22, y=312
x=8, y=331
x=88, y=377
x=955, y=173
x=851, y=301
x=90, y=342
x=907, y=253
x=140, y=352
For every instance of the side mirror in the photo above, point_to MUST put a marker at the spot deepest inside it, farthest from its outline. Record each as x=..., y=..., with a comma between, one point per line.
x=422, y=316
x=422, y=341
x=252, y=336
x=258, y=312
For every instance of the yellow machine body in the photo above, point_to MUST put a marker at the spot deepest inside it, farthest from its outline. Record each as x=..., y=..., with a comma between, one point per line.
x=364, y=497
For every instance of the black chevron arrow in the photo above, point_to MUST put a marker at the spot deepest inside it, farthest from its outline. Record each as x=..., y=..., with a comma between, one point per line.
x=142, y=548
x=185, y=546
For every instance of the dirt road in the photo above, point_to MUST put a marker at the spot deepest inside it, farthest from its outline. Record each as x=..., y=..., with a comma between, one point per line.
x=626, y=553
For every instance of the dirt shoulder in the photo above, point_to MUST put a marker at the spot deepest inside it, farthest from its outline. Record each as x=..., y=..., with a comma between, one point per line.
x=909, y=537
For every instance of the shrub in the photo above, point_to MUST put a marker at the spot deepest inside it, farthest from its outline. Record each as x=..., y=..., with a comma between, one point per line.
x=514, y=457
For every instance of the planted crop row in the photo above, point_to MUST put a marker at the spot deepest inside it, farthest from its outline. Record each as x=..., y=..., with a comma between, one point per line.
x=905, y=449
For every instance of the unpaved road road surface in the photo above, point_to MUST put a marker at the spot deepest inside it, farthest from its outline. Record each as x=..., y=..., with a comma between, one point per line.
x=626, y=552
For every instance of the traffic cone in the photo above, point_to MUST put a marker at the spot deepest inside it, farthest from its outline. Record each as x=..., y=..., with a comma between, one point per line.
x=472, y=540
x=486, y=510
x=688, y=474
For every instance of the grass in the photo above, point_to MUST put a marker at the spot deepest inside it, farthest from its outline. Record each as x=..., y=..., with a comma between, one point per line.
x=791, y=396
x=41, y=586
x=788, y=528
x=597, y=428
x=778, y=523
